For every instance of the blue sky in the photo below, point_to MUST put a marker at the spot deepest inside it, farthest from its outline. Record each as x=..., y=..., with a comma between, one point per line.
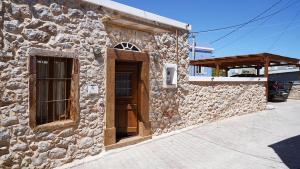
x=262, y=36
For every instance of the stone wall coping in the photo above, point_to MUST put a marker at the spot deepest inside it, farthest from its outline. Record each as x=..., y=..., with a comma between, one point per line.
x=226, y=79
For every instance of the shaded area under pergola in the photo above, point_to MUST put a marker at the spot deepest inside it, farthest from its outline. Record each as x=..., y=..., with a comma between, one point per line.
x=257, y=61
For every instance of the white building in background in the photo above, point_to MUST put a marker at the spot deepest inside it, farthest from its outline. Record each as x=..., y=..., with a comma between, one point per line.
x=197, y=53
x=276, y=73
x=284, y=73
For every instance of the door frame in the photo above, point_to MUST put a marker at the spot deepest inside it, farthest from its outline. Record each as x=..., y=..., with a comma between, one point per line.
x=144, y=125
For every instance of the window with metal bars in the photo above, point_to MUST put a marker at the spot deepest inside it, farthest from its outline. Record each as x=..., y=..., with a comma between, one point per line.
x=53, y=89
x=53, y=86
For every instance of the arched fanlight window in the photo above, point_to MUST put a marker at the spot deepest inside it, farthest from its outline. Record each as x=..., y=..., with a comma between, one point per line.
x=127, y=46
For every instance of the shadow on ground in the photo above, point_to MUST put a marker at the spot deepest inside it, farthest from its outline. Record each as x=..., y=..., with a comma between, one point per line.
x=289, y=151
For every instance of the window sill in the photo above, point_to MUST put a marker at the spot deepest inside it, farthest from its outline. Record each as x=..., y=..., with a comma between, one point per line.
x=54, y=126
x=170, y=86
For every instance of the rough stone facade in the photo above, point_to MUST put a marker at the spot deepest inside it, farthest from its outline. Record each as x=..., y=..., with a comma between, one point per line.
x=77, y=27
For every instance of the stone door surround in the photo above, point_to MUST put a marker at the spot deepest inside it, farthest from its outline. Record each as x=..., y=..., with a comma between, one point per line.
x=144, y=125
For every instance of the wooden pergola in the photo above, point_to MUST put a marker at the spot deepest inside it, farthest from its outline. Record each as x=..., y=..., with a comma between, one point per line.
x=256, y=61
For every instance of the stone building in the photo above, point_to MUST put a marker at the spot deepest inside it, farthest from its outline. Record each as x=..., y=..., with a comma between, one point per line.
x=78, y=77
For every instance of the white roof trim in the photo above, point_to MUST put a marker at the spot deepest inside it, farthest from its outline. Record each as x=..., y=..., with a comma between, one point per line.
x=140, y=13
x=202, y=48
x=226, y=79
x=283, y=71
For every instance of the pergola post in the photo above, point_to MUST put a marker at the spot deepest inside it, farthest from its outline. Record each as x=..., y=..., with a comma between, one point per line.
x=217, y=70
x=258, y=71
x=226, y=72
x=266, y=75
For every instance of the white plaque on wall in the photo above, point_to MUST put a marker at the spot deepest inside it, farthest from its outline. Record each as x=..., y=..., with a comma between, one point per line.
x=93, y=89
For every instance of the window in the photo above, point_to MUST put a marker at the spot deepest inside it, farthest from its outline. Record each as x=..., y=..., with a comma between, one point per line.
x=123, y=84
x=127, y=46
x=198, y=69
x=53, y=89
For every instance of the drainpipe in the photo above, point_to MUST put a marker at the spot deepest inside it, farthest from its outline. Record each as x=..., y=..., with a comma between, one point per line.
x=194, y=51
x=177, y=46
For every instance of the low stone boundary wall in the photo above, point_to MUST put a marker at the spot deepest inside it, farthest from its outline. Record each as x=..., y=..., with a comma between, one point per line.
x=201, y=102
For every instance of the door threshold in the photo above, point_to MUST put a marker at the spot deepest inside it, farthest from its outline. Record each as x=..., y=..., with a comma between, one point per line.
x=127, y=141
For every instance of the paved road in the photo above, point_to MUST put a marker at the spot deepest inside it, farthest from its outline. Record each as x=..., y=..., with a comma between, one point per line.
x=263, y=140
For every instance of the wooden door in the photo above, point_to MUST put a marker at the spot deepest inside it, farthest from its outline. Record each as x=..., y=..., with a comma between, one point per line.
x=126, y=99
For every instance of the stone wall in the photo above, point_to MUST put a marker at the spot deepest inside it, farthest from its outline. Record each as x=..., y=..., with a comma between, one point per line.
x=55, y=26
x=77, y=27
x=202, y=102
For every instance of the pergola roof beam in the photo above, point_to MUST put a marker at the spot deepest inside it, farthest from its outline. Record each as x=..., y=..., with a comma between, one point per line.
x=248, y=60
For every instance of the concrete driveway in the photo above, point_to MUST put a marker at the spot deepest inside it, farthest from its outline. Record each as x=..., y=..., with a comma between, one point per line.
x=268, y=139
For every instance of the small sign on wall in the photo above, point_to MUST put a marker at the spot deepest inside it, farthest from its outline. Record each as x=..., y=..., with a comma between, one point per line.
x=93, y=89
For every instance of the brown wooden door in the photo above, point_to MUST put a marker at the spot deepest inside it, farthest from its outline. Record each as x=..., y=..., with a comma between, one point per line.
x=126, y=95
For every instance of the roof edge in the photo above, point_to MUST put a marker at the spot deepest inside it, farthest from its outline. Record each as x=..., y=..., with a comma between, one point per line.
x=255, y=54
x=140, y=13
